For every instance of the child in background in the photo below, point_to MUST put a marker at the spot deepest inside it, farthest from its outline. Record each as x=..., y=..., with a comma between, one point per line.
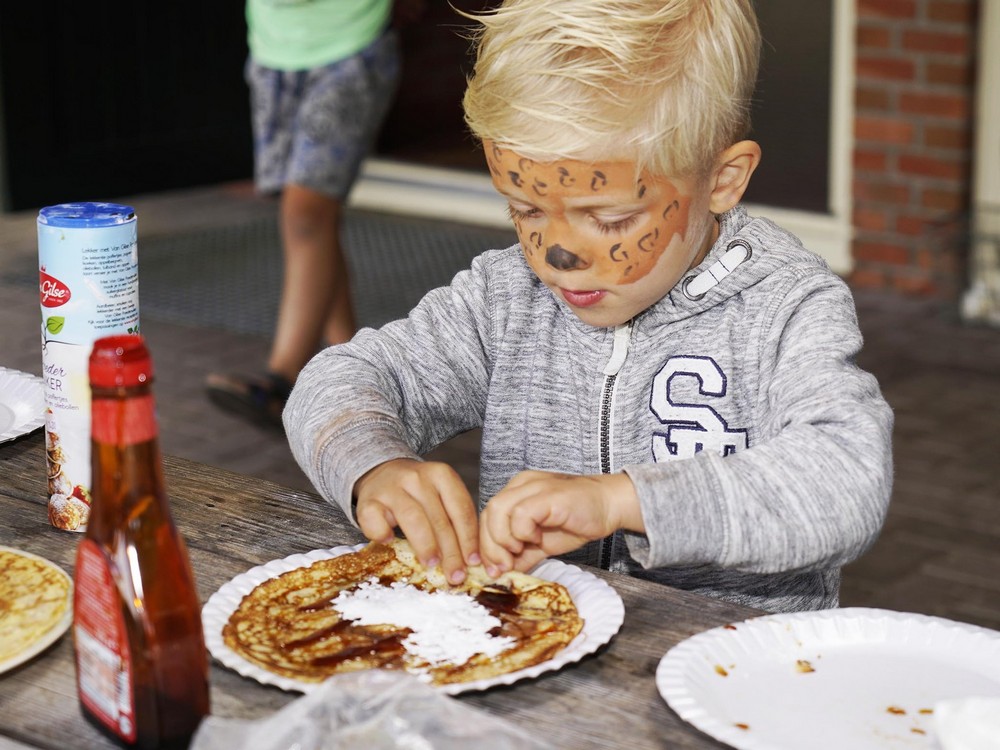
x=666, y=385
x=322, y=75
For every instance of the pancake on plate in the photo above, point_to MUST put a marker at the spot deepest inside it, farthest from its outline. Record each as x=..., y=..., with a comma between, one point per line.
x=34, y=599
x=380, y=608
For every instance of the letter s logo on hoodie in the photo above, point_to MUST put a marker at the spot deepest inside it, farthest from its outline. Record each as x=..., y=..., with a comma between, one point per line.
x=691, y=427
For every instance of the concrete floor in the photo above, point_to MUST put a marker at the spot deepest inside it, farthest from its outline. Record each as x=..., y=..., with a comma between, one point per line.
x=939, y=552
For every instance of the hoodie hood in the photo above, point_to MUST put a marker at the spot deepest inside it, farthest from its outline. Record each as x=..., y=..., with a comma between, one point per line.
x=747, y=251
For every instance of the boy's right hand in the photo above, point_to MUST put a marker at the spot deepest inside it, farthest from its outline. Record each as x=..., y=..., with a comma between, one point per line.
x=429, y=503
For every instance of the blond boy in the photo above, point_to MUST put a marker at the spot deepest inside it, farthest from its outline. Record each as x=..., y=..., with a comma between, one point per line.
x=666, y=386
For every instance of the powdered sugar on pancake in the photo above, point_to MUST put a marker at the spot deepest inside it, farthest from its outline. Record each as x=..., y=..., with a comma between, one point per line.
x=447, y=628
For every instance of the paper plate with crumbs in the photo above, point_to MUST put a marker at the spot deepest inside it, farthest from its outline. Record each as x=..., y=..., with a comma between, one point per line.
x=865, y=679
x=36, y=605
x=22, y=403
x=296, y=621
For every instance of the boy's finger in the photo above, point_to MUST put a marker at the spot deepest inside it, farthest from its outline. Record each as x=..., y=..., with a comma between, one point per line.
x=497, y=517
x=375, y=521
x=462, y=512
x=529, y=559
x=452, y=554
x=418, y=528
x=429, y=529
x=496, y=559
x=529, y=518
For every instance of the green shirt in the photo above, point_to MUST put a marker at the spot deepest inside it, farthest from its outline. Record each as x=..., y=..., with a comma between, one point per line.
x=302, y=34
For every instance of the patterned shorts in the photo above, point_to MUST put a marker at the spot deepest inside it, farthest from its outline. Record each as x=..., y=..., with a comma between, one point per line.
x=314, y=127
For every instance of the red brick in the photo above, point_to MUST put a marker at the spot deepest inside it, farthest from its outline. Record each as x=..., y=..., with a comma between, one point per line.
x=915, y=286
x=873, y=37
x=867, y=278
x=870, y=161
x=881, y=192
x=949, y=74
x=928, y=166
x=943, y=199
x=947, y=137
x=897, y=9
x=870, y=220
x=882, y=252
x=952, y=12
x=913, y=226
x=871, y=98
x=936, y=41
x=885, y=68
x=925, y=259
x=951, y=262
x=883, y=130
x=939, y=105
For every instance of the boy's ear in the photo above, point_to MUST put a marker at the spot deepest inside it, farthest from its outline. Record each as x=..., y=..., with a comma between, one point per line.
x=732, y=175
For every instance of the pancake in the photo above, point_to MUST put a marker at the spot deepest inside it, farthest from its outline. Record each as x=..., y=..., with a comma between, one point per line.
x=379, y=608
x=34, y=598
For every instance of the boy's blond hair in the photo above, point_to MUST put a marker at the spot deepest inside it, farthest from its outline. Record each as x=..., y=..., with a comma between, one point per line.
x=667, y=83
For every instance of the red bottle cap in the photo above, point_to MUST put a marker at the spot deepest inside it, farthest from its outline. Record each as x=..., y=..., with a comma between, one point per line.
x=120, y=361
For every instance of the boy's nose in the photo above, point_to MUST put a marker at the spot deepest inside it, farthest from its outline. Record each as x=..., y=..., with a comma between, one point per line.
x=562, y=259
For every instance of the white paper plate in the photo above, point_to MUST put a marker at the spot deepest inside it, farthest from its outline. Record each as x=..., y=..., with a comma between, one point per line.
x=877, y=676
x=51, y=635
x=599, y=605
x=22, y=403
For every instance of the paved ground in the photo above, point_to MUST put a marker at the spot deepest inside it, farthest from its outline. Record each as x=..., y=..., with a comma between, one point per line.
x=938, y=554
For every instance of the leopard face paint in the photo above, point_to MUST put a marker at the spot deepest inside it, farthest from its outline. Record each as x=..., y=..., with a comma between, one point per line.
x=597, y=230
x=625, y=238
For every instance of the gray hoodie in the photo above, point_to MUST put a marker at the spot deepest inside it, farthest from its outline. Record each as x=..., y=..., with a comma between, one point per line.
x=760, y=452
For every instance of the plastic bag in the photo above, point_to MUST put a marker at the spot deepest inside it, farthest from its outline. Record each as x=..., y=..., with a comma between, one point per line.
x=372, y=709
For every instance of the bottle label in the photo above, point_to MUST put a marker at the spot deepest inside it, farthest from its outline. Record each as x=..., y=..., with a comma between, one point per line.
x=123, y=421
x=103, y=657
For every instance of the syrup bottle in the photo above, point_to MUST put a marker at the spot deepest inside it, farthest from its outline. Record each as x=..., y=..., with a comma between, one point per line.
x=141, y=664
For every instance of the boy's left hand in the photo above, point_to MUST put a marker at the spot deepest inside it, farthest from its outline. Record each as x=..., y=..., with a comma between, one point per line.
x=540, y=513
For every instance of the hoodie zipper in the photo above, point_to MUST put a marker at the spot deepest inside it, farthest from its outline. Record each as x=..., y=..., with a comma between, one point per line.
x=619, y=350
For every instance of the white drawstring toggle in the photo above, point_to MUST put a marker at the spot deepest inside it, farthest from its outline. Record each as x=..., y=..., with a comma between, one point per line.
x=619, y=349
x=695, y=287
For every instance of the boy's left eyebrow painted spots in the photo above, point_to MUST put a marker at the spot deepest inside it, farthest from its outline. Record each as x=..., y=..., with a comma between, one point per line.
x=617, y=256
x=565, y=178
x=540, y=188
x=598, y=180
x=515, y=178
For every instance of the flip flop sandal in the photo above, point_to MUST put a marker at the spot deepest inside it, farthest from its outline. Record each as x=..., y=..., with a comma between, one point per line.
x=259, y=400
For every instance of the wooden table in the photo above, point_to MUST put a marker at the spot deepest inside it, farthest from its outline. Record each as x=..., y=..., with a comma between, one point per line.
x=233, y=522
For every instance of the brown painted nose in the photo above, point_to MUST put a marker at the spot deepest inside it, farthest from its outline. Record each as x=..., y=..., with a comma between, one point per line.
x=562, y=259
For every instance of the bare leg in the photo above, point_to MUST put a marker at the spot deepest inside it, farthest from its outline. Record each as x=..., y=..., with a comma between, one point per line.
x=315, y=295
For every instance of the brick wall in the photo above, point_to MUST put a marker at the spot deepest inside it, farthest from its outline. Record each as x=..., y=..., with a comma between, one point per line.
x=913, y=140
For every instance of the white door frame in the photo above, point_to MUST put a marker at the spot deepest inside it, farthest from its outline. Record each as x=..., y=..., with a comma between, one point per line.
x=982, y=299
